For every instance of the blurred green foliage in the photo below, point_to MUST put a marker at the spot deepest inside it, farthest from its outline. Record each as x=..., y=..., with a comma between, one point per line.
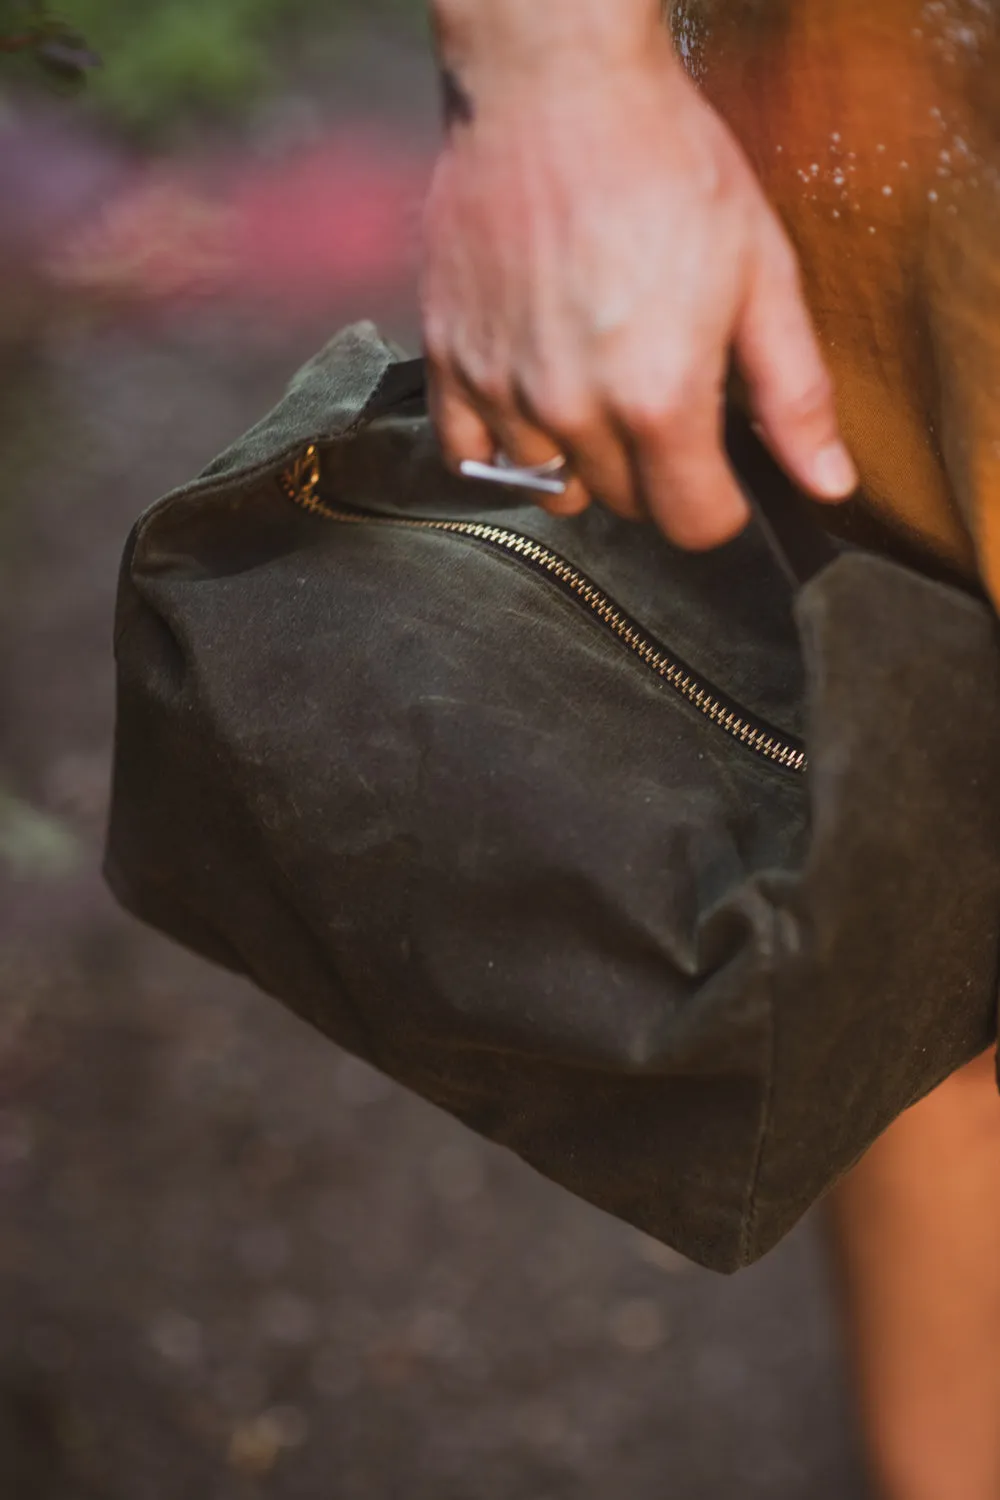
x=33, y=842
x=166, y=61
x=165, y=57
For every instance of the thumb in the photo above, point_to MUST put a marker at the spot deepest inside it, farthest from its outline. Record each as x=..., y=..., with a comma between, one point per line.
x=790, y=387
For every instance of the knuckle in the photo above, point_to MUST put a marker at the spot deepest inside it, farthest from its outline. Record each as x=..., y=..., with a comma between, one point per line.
x=436, y=345
x=663, y=416
x=490, y=385
x=811, y=402
x=573, y=422
x=437, y=328
x=481, y=374
x=559, y=406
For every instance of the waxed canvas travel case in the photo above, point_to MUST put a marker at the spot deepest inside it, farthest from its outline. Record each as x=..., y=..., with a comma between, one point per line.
x=674, y=874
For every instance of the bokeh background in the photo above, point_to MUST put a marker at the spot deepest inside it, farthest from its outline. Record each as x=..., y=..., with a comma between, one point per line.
x=233, y=1262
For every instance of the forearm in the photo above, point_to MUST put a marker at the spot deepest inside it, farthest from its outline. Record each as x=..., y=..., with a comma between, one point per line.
x=478, y=39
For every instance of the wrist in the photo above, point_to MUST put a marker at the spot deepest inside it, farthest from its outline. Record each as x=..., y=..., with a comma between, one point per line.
x=487, y=42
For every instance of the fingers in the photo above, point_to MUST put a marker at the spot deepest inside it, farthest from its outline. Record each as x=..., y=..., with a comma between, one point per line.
x=526, y=443
x=681, y=469
x=461, y=431
x=470, y=427
x=790, y=388
x=642, y=457
x=583, y=432
x=663, y=460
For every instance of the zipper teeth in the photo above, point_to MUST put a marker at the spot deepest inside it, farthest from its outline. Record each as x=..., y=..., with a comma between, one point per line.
x=300, y=482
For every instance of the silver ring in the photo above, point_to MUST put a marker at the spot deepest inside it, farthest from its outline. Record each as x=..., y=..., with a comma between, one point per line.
x=549, y=478
x=553, y=468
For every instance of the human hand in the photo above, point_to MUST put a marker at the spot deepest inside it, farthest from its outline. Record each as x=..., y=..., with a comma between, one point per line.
x=597, y=247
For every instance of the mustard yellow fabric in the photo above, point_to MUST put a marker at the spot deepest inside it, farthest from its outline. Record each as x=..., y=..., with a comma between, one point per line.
x=875, y=127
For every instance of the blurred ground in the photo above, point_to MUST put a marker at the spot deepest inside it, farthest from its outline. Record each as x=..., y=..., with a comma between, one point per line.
x=233, y=1263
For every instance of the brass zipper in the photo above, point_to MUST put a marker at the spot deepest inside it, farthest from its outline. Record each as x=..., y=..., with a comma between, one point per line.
x=301, y=483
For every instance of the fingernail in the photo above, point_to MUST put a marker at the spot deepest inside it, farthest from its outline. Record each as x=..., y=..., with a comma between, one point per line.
x=833, y=472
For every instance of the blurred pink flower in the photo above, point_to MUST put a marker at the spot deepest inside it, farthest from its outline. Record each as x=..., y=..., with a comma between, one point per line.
x=291, y=238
